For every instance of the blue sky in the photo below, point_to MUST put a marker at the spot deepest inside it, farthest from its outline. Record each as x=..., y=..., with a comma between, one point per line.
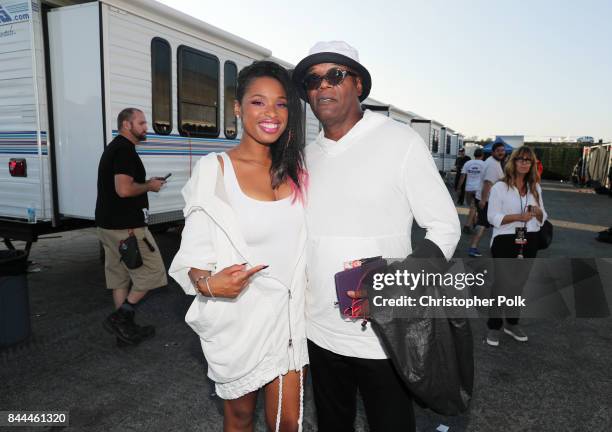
x=482, y=67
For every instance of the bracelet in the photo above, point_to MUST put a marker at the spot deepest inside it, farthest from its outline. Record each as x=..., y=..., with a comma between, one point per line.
x=197, y=281
x=208, y=286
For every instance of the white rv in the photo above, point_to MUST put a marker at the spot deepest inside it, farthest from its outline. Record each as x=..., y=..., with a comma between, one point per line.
x=431, y=132
x=392, y=111
x=68, y=67
x=66, y=70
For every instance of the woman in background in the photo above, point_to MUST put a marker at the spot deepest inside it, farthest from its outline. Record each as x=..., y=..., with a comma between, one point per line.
x=516, y=211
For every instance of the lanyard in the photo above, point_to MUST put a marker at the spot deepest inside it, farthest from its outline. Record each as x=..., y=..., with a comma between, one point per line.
x=523, y=208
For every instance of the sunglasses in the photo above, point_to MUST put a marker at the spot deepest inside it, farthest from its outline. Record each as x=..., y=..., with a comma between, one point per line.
x=524, y=160
x=334, y=77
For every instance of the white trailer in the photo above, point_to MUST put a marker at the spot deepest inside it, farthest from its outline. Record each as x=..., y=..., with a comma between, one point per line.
x=450, y=152
x=392, y=111
x=66, y=70
x=446, y=142
x=431, y=132
x=453, y=141
x=470, y=148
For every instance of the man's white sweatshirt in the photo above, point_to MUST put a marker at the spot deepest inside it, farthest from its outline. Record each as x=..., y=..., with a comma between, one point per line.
x=365, y=191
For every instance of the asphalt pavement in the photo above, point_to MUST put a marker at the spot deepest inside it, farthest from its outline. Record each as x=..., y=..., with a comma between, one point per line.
x=561, y=380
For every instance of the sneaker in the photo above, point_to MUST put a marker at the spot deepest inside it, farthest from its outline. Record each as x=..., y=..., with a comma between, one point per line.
x=516, y=332
x=466, y=230
x=474, y=252
x=120, y=324
x=493, y=337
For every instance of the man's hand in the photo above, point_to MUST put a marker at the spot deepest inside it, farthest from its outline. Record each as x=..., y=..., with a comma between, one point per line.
x=154, y=184
x=482, y=204
x=230, y=281
x=361, y=303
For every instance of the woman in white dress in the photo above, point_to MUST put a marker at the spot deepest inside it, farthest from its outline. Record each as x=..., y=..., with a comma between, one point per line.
x=242, y=255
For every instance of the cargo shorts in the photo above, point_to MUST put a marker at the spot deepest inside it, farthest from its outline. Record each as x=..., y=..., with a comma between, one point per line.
x=152, y=273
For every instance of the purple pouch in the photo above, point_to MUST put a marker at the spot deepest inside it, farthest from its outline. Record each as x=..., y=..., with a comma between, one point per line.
x=351, y=279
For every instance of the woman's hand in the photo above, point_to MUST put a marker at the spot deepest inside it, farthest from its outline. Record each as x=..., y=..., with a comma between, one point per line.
x=537, y=212
x=525, y=217
x=229, y=282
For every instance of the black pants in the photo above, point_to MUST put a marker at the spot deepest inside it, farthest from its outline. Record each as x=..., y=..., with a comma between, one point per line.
x=510, y=277
x=335, y=381
x=461, y=193
x=481, y=214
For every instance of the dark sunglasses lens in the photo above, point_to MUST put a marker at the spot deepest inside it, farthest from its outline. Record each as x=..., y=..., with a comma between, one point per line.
x=312, y=82
x=334, y=76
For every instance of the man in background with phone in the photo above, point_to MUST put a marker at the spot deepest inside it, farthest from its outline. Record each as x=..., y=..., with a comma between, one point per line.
x=122, y=209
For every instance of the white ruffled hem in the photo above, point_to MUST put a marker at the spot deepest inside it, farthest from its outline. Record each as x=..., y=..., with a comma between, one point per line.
x=264, y=373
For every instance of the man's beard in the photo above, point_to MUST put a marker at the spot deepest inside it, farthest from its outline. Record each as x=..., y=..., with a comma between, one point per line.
x=142, y=137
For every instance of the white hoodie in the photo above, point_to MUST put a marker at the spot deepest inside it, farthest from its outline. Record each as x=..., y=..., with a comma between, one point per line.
x=246, y=341
x=365, y=191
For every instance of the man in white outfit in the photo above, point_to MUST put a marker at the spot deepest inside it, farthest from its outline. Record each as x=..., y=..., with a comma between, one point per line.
x=370, y=177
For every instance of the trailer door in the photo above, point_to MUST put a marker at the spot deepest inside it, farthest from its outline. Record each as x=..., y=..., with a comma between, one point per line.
x=75, y=63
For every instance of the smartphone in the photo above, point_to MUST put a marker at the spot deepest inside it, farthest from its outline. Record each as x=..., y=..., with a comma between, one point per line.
x=167, y=175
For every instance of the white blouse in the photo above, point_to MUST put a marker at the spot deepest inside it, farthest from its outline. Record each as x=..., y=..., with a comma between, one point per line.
x=504, y=200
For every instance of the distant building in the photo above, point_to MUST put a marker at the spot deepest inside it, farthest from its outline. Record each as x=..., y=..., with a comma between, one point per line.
x=514, y=141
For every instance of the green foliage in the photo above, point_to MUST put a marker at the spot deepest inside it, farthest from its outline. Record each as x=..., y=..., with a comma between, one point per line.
x=558, y=158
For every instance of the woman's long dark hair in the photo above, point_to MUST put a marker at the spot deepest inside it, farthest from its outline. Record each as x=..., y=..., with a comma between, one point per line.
x=287, y=152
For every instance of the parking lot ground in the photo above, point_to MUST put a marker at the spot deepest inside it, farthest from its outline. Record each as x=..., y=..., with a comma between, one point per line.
x=561, y=380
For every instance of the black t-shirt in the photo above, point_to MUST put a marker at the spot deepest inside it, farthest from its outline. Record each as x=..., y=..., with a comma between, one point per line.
x=461, y=160
x=112, y=211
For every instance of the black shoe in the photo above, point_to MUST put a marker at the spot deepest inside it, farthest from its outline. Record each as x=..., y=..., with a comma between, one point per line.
x=122, y=325
x=145, y=331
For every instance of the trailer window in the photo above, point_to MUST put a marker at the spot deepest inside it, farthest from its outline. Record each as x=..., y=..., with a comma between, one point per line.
x=230, y=121
x=435, y=141
x=161, y=86
x=198, y=93
x=448, y=144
